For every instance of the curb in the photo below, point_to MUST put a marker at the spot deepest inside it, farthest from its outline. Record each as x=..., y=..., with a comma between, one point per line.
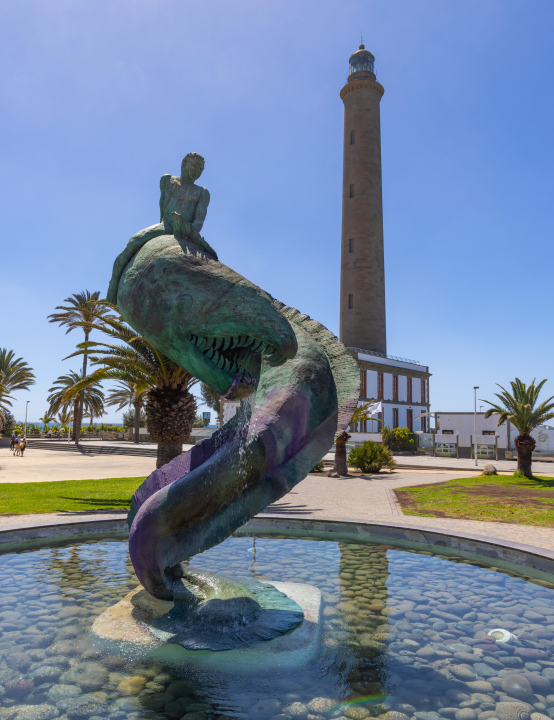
x=537, y=562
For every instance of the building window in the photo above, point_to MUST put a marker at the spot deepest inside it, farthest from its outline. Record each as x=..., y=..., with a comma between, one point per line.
x=424, y=424
x=351, y=245
x=363, y=425
x=489, y=432
x=395, y=387
x=352, y=137
x=410, y=420
x=379, y=385
x=409, y=389
x=395, y=417
x=423, y=396
x=352, y=190
x=448, y=432
x=350, y=302
x=363, y=386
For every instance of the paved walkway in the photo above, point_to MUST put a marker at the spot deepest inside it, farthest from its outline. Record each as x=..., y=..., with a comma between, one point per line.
x=454, y=464
x=364, y=498
x=48, y=465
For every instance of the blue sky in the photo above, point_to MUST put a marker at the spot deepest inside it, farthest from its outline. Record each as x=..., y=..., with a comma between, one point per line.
x=99, y=98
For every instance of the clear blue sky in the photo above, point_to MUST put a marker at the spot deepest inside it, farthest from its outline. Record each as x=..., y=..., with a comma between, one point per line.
x=99, y=98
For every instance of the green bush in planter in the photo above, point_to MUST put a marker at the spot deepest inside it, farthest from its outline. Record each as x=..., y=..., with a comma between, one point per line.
x=318, y=467
x=371, y=457
x=398, y=438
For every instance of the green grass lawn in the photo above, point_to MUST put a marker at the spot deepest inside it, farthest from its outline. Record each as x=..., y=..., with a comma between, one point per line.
x=498, y=498
x=67, y=496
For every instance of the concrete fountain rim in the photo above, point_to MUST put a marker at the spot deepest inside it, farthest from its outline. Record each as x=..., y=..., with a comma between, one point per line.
x=537, y=561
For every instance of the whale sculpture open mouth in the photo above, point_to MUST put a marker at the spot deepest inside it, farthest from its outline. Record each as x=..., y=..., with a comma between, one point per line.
x=237, y=355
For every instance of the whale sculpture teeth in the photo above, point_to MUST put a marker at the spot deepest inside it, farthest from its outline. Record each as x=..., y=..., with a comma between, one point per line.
x=226, y=343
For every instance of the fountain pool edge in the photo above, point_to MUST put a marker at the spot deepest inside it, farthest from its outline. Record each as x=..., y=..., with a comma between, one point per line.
x=537, y=562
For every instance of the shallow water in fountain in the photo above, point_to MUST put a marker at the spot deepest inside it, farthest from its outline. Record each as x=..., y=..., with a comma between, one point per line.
x=401, y=630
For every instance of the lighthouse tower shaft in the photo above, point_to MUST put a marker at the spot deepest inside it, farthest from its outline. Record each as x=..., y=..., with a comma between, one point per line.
x=362, y=286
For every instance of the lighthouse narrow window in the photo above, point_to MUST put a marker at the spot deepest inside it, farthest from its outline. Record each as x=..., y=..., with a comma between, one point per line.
x=352, y=190
x=350, y=302
x=351, y=245
x=352, y=137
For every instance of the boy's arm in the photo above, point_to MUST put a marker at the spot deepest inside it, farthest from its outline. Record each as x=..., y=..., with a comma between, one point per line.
x=201, y=210
x=163, y=185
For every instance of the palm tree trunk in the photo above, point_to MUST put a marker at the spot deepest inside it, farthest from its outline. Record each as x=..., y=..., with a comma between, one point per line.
x=525, y=445
x=341, y=466
x=137, y=421
x=81, y=398
x=75, y=413
x=170, y=413
x=167, y=450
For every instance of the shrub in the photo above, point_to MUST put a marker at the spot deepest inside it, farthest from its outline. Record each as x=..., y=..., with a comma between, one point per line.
x=398, y=439
x=318, y=467
x=129, y=419
x=371, y=457
x=200, y=422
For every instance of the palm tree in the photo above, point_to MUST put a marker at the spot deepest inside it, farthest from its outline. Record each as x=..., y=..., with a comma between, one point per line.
x=63, y=395
x=15, y=374
x=170, y=407
x=47, y=418
x=129, y=394
x=64, y=418
x=519, y=409
x=341, y=466
x=82, y=311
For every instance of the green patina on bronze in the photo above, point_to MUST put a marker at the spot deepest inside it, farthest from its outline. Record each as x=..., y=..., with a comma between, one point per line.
x=302, y=385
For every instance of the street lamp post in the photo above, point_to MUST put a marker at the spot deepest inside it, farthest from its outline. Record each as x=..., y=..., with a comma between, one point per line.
x=475, y=388
x=26, y=408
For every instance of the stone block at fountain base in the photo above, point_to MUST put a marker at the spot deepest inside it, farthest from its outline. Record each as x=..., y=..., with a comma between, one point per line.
x=125, y=629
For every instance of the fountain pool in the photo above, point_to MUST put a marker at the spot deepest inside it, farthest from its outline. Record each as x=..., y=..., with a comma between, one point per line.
x=402, y=633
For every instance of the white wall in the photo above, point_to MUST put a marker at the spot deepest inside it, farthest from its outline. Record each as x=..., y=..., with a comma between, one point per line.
x=462, y=423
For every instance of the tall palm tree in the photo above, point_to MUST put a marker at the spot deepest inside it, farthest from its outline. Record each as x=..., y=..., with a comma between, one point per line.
x=4, y=401
x=519, y=408
x=15, y=373
x=170, y=407
x=81, y=311
x=341, y=466
x=63, y=395
x=129, y=394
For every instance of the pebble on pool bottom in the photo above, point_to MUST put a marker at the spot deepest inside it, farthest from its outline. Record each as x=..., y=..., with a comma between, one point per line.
x=404, y=637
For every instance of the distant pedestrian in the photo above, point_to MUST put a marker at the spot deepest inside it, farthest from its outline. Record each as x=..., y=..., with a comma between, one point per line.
x=22, y=445
x=16, y=445
x=12, y=442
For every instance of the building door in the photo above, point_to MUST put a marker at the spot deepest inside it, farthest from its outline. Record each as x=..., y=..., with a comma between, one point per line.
x=410, y=420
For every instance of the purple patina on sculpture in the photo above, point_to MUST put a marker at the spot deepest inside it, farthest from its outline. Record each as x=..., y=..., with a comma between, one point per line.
x=299, y=384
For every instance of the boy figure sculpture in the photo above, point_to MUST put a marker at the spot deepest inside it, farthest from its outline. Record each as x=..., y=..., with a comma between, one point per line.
x=183, y=208
x=183, y=205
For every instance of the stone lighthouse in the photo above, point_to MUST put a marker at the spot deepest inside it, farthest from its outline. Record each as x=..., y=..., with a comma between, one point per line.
x=400, y=386
x=362, y=279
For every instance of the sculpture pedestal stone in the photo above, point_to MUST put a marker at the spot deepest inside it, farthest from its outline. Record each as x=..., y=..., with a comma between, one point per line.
x=125, y=628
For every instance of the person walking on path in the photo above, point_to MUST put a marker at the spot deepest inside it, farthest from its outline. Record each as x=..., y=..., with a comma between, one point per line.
x=16, y=445
x=12, y=442
x=22, y=445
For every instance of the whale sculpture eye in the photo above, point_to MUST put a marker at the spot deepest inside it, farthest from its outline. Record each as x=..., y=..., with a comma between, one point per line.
x=184, y=304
